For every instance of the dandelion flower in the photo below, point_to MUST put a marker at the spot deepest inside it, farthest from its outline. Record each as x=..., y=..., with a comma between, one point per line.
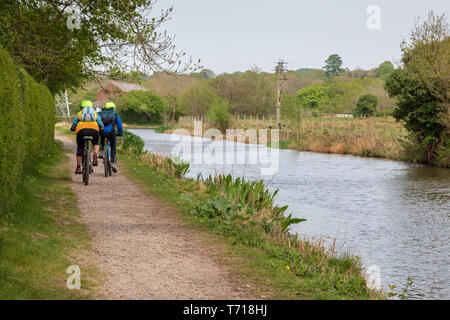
x=287, y=267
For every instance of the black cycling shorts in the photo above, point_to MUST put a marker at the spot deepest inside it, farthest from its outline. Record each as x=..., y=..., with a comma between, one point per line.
x=80, y=139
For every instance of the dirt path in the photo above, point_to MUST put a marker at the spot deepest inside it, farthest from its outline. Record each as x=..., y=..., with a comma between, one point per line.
x=143, y=252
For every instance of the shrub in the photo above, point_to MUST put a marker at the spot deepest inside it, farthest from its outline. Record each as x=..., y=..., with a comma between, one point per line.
x=132, y=142
x=366, y=106
x=26, y=126
x=218, y=113
x=141, y=107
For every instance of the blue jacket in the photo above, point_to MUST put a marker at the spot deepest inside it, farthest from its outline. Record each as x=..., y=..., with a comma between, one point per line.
x=112, y=114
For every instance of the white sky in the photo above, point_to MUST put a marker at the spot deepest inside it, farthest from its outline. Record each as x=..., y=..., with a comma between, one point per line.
x=232, y=35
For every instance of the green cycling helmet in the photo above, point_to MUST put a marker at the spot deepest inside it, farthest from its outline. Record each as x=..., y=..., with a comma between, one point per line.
x=110, y=105
x=86, y=103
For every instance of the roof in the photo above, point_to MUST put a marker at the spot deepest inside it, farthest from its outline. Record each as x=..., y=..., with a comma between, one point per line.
x=127, y=86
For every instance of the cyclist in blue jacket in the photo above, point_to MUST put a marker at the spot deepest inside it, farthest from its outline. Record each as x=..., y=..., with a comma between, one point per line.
x=111, y=120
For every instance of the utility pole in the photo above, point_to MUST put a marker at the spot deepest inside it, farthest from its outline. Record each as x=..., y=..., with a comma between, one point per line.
x=279, y=69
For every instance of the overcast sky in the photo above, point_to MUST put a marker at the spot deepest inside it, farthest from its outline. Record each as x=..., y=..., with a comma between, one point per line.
x=232, y=35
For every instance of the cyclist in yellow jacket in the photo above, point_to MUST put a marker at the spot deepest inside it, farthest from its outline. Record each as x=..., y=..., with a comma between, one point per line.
x=87, y=123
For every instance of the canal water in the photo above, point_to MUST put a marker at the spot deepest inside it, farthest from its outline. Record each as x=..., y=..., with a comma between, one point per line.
x=394, y=215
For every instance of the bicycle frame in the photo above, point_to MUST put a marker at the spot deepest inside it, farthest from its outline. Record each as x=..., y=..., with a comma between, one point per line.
x=107, y=158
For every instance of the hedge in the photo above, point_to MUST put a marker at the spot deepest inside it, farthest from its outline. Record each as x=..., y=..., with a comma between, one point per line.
x=27, y=114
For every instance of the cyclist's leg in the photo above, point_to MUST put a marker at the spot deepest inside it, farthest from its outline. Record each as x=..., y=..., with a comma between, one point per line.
x=80, y=150
x=102, y=144
x=112, y=142
x=95, y=135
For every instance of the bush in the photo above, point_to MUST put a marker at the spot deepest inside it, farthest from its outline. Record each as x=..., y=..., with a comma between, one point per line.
x=141, y=107
x=132, y=142
x=26, y=126
x=366, y=106
x=218, y=113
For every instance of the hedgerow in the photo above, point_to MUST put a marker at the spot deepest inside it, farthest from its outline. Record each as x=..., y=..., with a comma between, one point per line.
x=27, y=114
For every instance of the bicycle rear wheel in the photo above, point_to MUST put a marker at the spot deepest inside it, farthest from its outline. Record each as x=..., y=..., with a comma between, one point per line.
x=86, y=164
x=106, y=159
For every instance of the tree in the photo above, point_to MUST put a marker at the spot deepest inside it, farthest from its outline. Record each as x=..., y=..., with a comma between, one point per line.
x=333, y=66
x=171, y=87
x=309, y=98
x=366, y=106
x=218, y=114
x=141, y=107
x=197, y=99
x=247, y=93
x=420, y=88
x=111, y=37
x=204, y=74
x=384, y=69
x=427, y=56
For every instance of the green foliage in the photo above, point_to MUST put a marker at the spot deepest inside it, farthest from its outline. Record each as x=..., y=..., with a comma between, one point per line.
x=218, y=114
x=204, y=74
x=333, y=66
x=421, y=89
x=342, y=95
x=197, y=99
x=26, y=125
x=419, y=111
x=36, y=34
x=282, y=144
x=366, y=106
x=309, y=98
x=141, y=107
x=42, y=233
x=162, y=129
x=384, y=69
x=248, y=93
x=248, y=201
x=178, y=167
x=132, y=142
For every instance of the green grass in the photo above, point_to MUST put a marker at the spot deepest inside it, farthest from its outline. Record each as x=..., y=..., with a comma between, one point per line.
x=162, y=129
x=277, y=271
x=42, y=236
x=141, y=125
x=281, y=144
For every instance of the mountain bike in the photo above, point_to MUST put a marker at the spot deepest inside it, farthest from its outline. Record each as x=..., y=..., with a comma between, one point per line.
x=87, y=162
x=107, y=157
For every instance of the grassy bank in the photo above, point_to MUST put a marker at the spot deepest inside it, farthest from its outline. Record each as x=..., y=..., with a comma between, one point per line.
x=380, y=137
x=141, y=126
x=42, y=235
x=242, y=217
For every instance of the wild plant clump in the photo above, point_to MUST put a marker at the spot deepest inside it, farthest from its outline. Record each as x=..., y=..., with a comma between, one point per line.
x=132, y=143
x=248, y=201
